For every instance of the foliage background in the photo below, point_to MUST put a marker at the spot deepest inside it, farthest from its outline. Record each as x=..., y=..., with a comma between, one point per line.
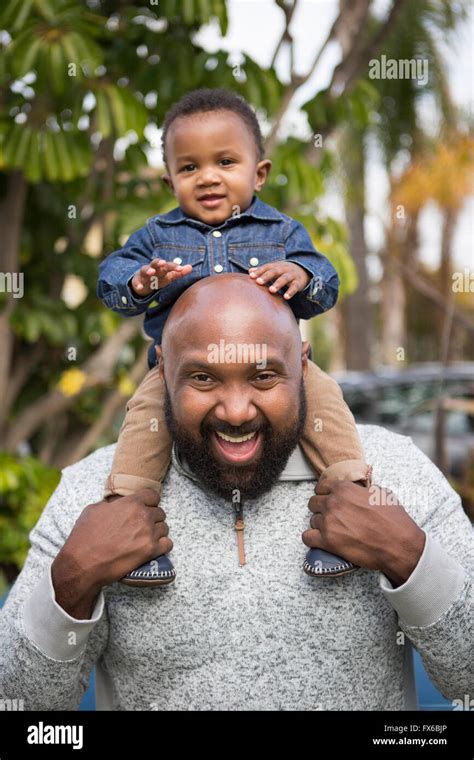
x=84, y=86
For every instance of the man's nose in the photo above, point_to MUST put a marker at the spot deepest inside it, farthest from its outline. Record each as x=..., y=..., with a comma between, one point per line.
x=235, y=407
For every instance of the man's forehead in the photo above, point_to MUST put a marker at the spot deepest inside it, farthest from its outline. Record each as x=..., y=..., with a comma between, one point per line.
x=229, y=354
x=233, y=309
x=200, y=336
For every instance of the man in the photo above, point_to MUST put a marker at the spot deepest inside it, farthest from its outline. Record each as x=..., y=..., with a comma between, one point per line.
x=262, y=635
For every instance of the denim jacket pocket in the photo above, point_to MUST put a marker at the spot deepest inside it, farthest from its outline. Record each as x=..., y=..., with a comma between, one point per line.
x=246, y=255
x=180, y=254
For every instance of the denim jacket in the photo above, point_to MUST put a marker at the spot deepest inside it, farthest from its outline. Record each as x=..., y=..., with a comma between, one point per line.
x=255, y=237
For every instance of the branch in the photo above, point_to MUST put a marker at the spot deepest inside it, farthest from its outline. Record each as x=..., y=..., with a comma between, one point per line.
x=356, y=61
x=98, y=370
x=352, y=66
x=113, y=402
x=21, y=372
x=425, y=288
x=286, y=34
x=346, y=13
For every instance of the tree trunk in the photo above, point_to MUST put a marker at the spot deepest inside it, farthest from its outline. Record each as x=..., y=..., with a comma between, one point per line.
x=356, y=308
x=12, y=206
x=449, y=225
x=445, y=274
x=401, y=252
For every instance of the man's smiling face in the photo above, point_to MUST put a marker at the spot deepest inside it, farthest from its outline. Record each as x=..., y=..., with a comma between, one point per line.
x=235, y=423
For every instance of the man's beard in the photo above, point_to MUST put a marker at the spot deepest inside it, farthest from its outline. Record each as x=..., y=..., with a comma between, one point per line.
x=224, y=479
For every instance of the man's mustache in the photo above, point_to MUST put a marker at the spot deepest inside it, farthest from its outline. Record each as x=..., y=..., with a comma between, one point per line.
x=209, y=428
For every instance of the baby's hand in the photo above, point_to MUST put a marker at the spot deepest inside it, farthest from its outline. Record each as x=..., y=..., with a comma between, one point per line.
x=281, y=273
x=157, y=274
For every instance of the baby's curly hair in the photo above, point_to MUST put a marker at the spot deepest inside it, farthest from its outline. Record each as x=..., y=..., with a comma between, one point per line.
x=217, y=99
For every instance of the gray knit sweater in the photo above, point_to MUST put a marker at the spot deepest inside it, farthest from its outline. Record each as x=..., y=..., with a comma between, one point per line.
x=264, y=636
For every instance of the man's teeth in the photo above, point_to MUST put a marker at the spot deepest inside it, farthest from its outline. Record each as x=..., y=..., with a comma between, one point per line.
x=236, y=439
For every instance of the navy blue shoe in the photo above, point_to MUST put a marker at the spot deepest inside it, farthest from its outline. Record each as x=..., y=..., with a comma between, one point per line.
x=321, y=564
x=156, y=572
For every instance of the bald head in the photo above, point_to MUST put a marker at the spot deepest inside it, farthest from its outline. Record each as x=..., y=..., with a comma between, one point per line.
x=232, y=308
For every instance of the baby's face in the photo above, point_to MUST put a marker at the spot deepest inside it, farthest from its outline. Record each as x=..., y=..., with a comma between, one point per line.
x=213, y=154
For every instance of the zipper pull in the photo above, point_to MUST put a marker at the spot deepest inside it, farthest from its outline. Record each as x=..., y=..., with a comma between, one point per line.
x=239, y=527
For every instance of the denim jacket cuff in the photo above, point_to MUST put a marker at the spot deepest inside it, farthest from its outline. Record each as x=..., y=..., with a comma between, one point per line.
x=132, y=300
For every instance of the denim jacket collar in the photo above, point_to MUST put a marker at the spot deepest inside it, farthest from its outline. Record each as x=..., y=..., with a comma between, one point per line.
x=257, y=210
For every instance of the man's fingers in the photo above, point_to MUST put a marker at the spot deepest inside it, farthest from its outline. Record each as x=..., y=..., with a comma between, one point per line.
x=316, y=520
x=164, y=546
x=161, y=530
x=313, y=539
x=317, y=504
x=324, y=487
x=148, y=497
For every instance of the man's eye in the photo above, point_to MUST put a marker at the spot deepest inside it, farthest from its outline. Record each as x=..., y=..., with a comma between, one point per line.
x=201, y=377
x=265, y=377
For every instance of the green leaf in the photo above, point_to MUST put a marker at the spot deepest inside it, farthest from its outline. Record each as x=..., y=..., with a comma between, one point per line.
x=204, y=11
x=12, y=139
x=22, y=147
x=72, y=54
x=66, y=166
x=188, y=12
x=21, y=13
x=89, y=53
x=24, y=55
x=104, y=120
x=117, y=108
x=46, y=9
x=50, y=157
x=33, y=170
x=58, y=67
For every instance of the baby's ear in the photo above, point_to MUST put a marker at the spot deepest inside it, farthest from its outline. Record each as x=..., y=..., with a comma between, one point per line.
x=168, y=182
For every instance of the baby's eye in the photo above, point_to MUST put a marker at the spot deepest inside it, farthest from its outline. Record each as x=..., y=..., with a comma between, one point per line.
x=227, y=161
x=188, y=167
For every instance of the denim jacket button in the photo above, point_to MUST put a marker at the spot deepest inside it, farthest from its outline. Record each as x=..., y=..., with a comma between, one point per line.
x=177, y=260
x=218, y=268
x=216, y=233
x=124, y=299
x=253, y=261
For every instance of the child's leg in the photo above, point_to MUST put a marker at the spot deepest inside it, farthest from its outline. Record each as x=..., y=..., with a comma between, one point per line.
x=141, y=460
x=143, y=452
x=331, y=443
x=330, y=439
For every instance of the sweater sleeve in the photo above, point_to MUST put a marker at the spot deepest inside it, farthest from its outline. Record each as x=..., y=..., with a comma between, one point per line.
x=435, y=605
x=46, y=656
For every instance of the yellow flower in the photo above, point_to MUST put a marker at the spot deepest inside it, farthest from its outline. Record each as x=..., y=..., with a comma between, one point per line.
x=71, y=382
x=126, y=386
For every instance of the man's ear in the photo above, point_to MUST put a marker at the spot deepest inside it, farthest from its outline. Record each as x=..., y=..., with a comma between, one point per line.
x=159, y=361
x=304, y=356
x=261, y=173
x=168, y=182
